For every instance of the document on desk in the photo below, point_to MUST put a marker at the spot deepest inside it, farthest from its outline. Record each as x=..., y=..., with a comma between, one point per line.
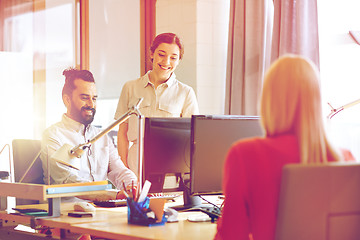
x=144, y=191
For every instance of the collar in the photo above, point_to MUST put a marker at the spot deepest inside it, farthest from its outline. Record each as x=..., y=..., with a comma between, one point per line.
x=146, y=80
x=73, y=125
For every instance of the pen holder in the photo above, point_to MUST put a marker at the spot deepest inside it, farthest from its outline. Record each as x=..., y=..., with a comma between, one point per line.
x=137, y=213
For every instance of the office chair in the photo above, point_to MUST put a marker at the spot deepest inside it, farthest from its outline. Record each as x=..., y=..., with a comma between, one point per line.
x=113, y=135
x=27, y=164
x=319, y=202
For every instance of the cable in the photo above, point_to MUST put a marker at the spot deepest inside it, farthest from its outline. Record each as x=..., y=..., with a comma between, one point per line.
x=210, y=202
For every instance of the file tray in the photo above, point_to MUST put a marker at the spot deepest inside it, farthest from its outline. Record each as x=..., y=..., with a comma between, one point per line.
x=40, y=192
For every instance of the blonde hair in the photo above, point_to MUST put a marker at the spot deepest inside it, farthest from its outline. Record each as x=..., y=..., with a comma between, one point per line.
x=291, y=104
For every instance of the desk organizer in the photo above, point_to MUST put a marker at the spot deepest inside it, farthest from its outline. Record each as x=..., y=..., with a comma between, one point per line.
x=137, y=213
x=52, y=193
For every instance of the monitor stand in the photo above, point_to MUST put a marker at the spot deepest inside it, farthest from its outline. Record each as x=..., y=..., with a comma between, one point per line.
x=190, y=202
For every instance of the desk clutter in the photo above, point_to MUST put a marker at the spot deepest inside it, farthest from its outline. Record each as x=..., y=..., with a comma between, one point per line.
x=142, y=210
x=148, y=209
x=123, y=202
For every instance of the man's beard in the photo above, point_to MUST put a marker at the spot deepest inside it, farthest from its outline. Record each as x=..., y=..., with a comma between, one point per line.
x=87, y=119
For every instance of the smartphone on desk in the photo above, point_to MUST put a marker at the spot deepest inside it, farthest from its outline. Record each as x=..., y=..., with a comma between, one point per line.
x=80, y=214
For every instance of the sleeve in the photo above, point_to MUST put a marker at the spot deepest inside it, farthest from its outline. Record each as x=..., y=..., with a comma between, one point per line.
x=122, y=106
x=234, y=222
x=118, y=172
x=191, y=106
x=60, y=174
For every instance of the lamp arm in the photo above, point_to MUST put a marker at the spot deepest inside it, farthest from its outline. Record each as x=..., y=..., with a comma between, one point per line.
x=335, y=111
x=79, y=149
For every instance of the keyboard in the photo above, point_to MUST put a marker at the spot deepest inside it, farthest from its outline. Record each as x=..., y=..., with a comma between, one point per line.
x=167, y=196
x=122, y=202
x=213, y=212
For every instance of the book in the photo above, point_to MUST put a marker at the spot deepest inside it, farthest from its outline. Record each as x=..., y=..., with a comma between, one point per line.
x=104, y=182
x=71, y=189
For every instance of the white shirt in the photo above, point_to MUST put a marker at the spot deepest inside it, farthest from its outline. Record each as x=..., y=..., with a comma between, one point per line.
x=100, y=162
x=169, y=99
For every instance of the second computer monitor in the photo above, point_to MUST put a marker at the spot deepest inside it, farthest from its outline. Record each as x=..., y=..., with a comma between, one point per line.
x=211, y=138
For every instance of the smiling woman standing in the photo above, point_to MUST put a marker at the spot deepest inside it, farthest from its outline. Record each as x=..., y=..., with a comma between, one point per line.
x=164, y=95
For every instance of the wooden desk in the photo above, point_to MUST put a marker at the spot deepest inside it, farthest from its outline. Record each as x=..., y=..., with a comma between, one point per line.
x=112, y=223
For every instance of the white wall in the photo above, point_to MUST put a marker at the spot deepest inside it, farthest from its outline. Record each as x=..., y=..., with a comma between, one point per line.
x=59, y=39
x=203, y=27
x=114, y=51
x=339, y=69
x=16, y=97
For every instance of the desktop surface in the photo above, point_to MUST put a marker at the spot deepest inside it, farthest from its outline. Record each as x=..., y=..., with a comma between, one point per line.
x=112, y=223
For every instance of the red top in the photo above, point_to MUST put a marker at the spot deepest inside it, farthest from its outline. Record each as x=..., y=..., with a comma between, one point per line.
x=252, y=177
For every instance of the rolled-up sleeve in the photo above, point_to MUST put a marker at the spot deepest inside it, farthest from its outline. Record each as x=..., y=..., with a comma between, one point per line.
x=118, y=172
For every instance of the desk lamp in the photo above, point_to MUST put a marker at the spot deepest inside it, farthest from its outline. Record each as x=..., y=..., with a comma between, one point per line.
x=67, y=154
x=5, y=174
x=335, y=111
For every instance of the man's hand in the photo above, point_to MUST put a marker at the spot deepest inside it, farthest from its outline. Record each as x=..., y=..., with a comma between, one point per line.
x=108, y=195
x=112, y=194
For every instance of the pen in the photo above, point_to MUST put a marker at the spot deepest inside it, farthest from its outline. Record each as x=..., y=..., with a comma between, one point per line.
x=125, y=193
x=133, y=191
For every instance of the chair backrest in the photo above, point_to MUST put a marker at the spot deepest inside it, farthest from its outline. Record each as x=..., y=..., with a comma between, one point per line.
x=27, y=163
x=319, y=202
x=113, y=135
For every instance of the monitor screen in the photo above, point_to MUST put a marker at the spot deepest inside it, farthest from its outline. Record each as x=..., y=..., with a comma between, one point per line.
x=211, y=138
x=166, y=149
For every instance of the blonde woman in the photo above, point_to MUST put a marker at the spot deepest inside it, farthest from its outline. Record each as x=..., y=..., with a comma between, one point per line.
x=292, y=120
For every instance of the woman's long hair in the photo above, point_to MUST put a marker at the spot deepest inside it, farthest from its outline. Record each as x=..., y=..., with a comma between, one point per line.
x=291, y=104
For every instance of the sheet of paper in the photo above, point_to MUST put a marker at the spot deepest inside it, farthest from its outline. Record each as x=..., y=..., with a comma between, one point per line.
x=145, y=191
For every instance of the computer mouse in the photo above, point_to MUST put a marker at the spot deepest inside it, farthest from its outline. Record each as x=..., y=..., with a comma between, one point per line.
x=171, y=215
x=84, y=207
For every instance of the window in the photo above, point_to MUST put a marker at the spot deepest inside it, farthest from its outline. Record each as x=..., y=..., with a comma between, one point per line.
x=340, y=71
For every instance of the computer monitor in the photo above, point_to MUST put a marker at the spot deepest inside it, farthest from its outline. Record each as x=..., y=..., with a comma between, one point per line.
x=194, y=149
x=166, y=150
x=211, y=138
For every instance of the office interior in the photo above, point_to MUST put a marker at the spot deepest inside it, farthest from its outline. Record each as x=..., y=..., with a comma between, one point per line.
x=41, y=38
